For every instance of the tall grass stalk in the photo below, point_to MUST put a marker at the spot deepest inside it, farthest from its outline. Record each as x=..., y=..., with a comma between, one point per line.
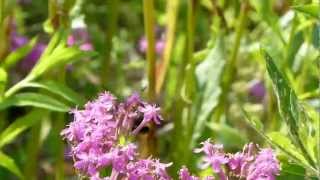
x=57, y=128
x=33, y=147
x=230, y=70
x=3, y=41
x=172, y=11
x=149, y=147
x=112, y=18
x=148, y=9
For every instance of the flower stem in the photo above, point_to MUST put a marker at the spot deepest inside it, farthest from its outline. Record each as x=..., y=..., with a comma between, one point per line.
x=57, y=128
x=3, y=26
x=148, y=9
x=2, y=8
x=230, y=70
x=172, y=11
x=110, y=32
x=148, y=147
x=33, y=148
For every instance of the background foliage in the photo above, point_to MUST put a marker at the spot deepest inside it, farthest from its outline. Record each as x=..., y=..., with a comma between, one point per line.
x=235, y=71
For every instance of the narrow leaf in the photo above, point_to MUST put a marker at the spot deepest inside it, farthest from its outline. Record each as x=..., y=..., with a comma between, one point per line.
x=58, y=89
x=19, y=125
x=14, y=57
x=35, y=100
x=208, y=74
x=8, y=163
x=310, y=9
x=285, y=143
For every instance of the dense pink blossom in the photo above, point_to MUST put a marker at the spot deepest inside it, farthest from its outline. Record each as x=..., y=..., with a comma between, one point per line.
x=265, y=166
x=100, y=138
x=96, y=131
x=148, y=169
x=184, y=174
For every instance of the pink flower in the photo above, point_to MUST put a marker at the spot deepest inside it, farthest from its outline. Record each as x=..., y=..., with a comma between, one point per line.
x=214, y=156
x=148, y=169
x=184, y=174
x=265, y=166
x=150, y=113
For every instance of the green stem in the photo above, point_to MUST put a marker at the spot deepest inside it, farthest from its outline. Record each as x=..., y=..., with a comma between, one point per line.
x=318, y=136
x=110, y=32
x=2, y=8
x=172, y=11
x=182, y=111
x=190, y=30
x=148, y=9
x=230, y=70
x=58, y=126
x=18, y=86
x=3, y=26
x=59, y=164
x=30, y=170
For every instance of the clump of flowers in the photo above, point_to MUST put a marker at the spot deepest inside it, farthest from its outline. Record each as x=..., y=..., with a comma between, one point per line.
x=100, y=138
x=99, y=135
x=250, y=164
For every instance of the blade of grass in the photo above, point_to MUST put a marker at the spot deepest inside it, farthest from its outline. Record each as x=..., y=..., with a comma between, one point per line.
x=33, y=147
x=112, y=19
x=230, y=70
x=289, y=108
x=172, y=11
x=148, y=9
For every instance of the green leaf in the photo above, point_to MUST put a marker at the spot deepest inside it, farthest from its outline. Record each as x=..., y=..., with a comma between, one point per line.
x=3, y=80
x=292, y=172
x=58, y=89
x=310, y=9
x=287, y=99
x=284, y=143
x=19, y=125
x=57, y=53
x=290, y=110
x=264, y=10
x=18, y=54
x=208, y=74
x=8, y=163
x=35, y=100
x=255, y=123
x=294, y=47
x=60, y=56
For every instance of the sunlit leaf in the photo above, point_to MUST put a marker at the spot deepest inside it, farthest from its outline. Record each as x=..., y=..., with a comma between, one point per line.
x=208, y=74
x=8, y=163
x=310, y=9
x=285, y=143
x=3, y=79
x=289, y=108
x=35, y=100
x=287, y=100
x=19, y=125
x=59, y=89
x=292, y=172
x=18, y=54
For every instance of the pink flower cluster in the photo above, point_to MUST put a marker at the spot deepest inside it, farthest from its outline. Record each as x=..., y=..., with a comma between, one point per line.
x=98, y=134
x=250, y=164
